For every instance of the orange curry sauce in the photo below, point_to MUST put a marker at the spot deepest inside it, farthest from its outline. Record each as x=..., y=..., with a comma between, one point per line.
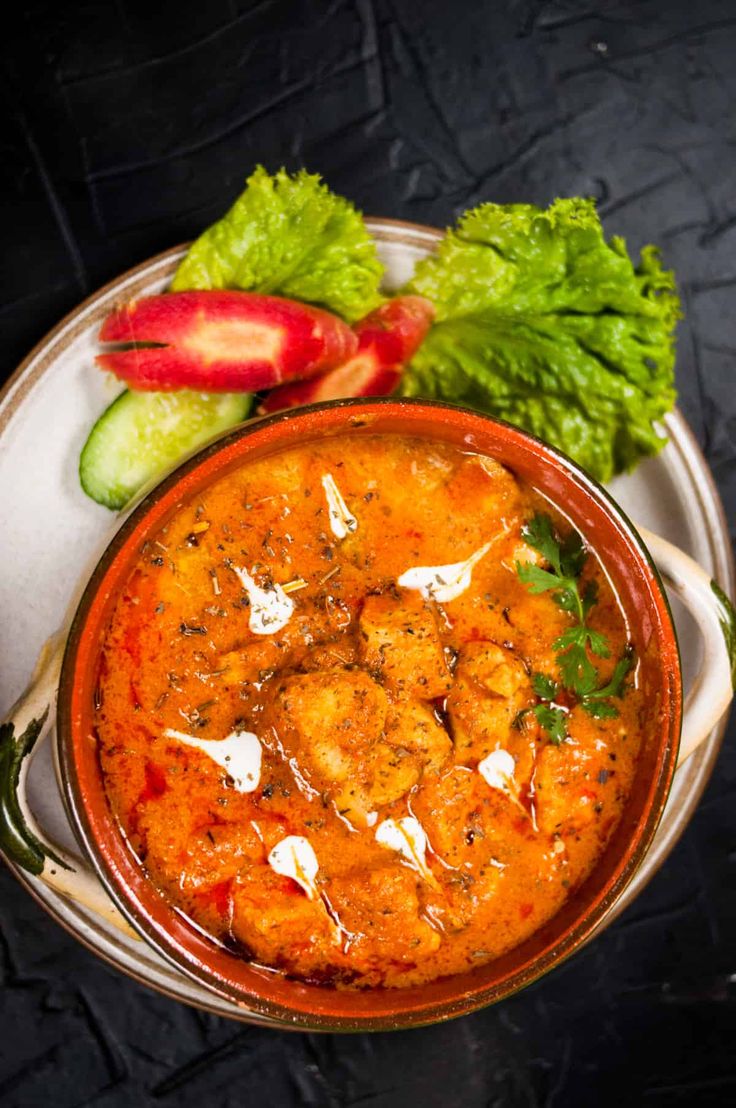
x=370, y=705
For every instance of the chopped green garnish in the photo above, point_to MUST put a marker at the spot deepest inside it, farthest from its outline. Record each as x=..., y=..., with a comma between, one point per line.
x=566, y=558
x=551, y=717
x=596, y=702
x=289, y=236
x=553, y=721
x=544, y=323
x=545, y=687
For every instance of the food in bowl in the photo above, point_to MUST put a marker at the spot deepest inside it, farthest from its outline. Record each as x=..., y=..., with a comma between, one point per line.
x=366, y=710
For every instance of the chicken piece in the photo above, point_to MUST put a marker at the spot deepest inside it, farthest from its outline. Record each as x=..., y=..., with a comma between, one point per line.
x=219, y=852
x=413, y=726
x=214, y=858
x=464, y=823
x=390, y=771
x=166, y=824
x=381, y=911
x=342, y=652
x=256, y=661
x=252, y=661
x=400, y=642
x=491, y=688
x=332, y=723
x=318, y=636
x=457, y=812
x=485, y=490
x=330, y=719
x=277, y=921
x=566, y=786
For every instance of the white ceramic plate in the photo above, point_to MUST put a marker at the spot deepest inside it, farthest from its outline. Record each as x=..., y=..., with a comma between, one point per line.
x=52, y=533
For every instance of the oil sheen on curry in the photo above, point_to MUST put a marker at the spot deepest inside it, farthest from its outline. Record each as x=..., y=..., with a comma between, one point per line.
x=366, y=711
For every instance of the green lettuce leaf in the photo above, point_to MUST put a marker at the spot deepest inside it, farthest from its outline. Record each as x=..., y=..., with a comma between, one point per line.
x=543, y=323
x=289, y=236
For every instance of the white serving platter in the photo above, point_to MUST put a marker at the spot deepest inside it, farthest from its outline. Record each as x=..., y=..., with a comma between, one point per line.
x=52, y=533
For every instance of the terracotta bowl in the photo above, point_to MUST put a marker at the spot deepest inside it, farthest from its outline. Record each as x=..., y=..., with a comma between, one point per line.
x=271, y=995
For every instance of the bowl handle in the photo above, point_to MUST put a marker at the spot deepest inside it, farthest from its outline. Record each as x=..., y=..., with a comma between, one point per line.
x=21, y=839
x=715, y=616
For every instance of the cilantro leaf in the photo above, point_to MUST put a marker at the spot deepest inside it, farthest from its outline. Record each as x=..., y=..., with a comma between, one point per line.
x=590, y=596
x=567, y=599
x=615, y=685
x=599, y=709
x=545, y=687
x=598, y=643
x=538, y=579
x=572, y=555
x=538, y=532
x=553, y=721
x=566, y=557
x=573, y=636
x=582, y=635
x=289, y=236
x=577, y=671
x=543, y=322
x=550, y=718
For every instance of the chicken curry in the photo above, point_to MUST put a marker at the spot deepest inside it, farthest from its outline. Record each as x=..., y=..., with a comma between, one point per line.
x=366, y=711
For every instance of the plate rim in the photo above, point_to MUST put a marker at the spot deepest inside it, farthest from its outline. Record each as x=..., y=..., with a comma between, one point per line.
x=16, y=390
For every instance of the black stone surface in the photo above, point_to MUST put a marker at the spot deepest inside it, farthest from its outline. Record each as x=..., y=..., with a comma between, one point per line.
x=130, y=125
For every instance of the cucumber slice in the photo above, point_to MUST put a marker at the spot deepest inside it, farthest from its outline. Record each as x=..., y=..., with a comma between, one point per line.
x=143, y=434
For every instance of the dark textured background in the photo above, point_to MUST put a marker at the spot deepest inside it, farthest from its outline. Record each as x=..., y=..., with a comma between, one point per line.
x=130, y=125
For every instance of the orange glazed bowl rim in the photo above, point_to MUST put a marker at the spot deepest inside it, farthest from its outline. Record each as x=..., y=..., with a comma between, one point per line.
x=270, y=994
